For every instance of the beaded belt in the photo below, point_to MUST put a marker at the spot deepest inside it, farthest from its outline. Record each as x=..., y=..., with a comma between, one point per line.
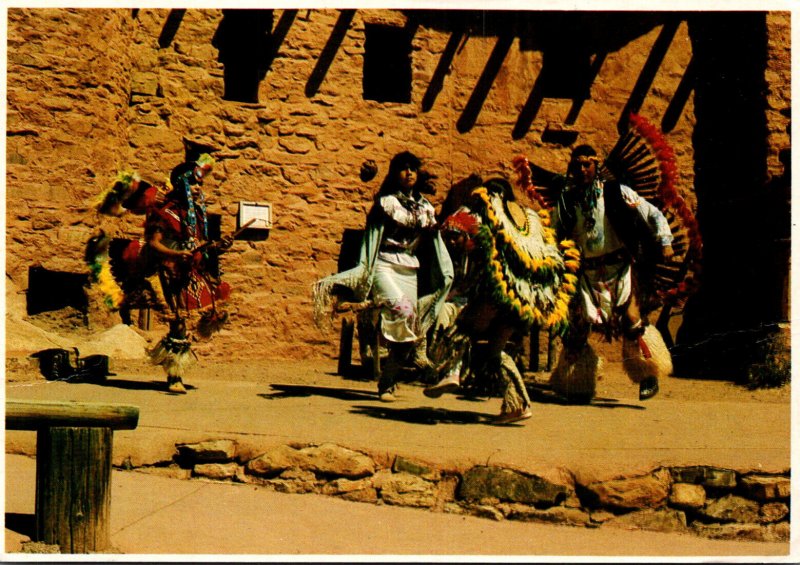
x=392, y=248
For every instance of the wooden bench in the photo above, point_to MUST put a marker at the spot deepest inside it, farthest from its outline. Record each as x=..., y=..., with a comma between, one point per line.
x=73, y=468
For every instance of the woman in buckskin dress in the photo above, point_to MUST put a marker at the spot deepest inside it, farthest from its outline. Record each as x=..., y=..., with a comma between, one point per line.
x=400, y=225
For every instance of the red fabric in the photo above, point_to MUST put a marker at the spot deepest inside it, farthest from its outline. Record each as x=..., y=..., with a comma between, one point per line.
x=202, y=293
x=144, y=197
x=131, y=252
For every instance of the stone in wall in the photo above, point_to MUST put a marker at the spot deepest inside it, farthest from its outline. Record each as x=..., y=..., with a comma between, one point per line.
x=766, y=487
x=216, y=471
x=773, y=512
x=685, y=495
x=405, y=489
x=327, y=459
x=209, y=451
x=293, y=480
x=171, y=471
x=446, y=488
x=361, y=490
x=731, y=508
x=649, y=491
x=404, y=465
x=553, y=515
x=713, y=477
x=744, y=532
x=654, y=519
x=481, y=483
x=484, y=511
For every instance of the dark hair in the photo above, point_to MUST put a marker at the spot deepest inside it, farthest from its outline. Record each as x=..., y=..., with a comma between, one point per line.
x=583, y=150
x=401, y=161
x=180, y=171
x=501, y=187
x=390, y=183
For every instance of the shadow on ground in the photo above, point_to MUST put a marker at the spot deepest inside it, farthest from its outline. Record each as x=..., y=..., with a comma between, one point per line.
x=23, y=524
x=422, y=415
x=158, y=386
x=538, y=394
x=295, y=391
x=544, y=395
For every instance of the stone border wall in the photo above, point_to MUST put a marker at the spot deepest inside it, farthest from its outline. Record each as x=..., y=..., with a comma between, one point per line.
x=708, y=501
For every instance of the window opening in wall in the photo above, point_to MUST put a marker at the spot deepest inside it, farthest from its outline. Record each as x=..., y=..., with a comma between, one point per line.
x=387, y=64
x=50, y=290
x=244, y=41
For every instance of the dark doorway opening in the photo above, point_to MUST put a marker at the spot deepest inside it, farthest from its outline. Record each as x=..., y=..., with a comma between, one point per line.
x=387, y=64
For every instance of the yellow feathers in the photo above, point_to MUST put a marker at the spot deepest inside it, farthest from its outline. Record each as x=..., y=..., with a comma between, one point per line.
x=111, y=290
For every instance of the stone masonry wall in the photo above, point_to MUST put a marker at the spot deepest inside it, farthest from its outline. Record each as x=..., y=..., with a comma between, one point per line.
x=68, y=82
x=93, y=91
x=703, y=500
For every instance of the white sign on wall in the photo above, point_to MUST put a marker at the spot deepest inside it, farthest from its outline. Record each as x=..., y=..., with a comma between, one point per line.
x=261, y=212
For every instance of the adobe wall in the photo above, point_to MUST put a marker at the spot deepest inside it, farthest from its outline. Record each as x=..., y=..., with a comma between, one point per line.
x=92, y=91
x=779, y=88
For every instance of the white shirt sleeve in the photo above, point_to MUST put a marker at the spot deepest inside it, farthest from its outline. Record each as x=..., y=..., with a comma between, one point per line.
x=651, y=215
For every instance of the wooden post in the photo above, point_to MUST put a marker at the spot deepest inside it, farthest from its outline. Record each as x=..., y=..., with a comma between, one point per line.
x=39, y=414
x=144, y=319
x=73, y=467
x=73, y=488
x=346, y=347
x=533, y=364
x=376, y=352
x=551, y=349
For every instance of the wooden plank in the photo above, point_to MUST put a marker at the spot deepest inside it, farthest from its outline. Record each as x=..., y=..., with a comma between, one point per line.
x=346, y=348
x=39, y=414
x=73, y=488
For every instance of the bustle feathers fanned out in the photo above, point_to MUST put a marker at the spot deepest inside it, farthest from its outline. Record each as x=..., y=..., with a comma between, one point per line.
x=643, y=160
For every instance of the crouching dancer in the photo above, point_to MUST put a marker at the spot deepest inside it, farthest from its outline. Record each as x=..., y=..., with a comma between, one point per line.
x=510, y=274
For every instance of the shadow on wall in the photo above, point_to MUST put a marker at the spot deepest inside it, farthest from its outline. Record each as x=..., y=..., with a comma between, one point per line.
x=246, y=49
x=574, y=46
x=740, y=302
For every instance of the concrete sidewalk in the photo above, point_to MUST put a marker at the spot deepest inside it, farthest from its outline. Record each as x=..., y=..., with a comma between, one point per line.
x=153, y=515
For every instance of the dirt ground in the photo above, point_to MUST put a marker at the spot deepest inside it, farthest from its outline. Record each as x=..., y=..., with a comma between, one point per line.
x=126, y=345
